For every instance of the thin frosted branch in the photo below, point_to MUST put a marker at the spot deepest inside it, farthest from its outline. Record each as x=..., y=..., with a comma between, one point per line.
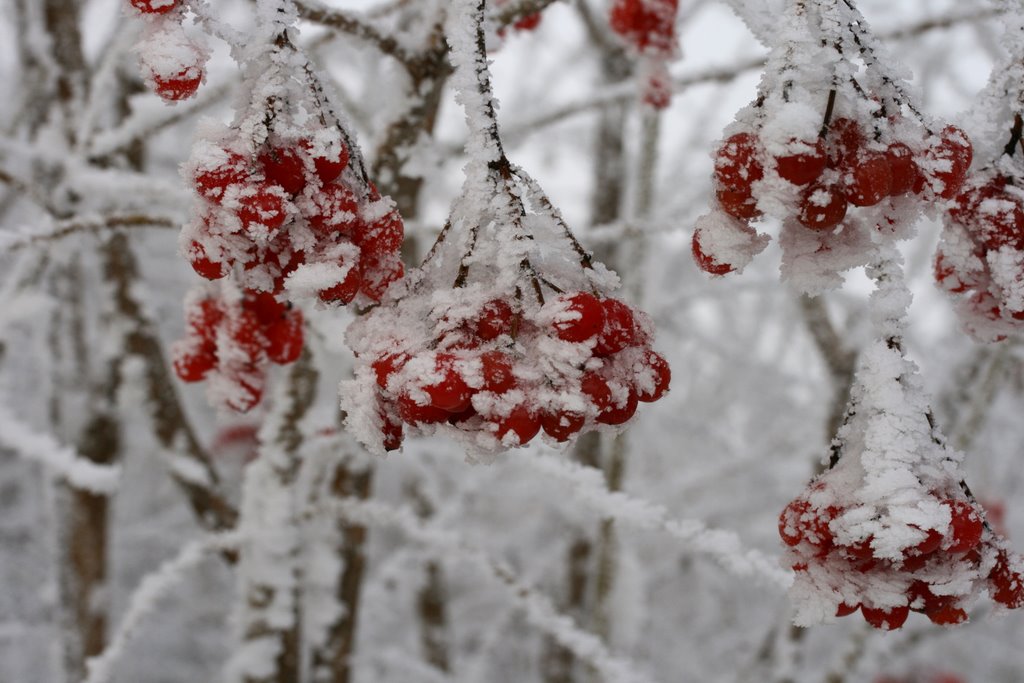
x=538, y=608
x=145, y=599
x=63, y=461
x=724, y=546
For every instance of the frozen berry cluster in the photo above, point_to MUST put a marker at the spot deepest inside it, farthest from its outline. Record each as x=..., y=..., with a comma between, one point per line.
x=980, y=257
x=230, y=339
x=834, y=148
x=819, y=178
x=933, y=575
x=648, y=27
x=500, y=372
x=289, y=209
x=530, y=22
x=173, y=63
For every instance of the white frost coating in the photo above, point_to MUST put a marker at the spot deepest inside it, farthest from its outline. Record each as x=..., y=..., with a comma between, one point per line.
x=144, y=601
x=537, y=608
x=728, y=241
x=478, y=103
x=61, y=460
x=724, y=546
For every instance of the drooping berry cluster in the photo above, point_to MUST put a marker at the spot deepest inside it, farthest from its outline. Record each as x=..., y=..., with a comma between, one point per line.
x=288, y=209
x=935, y=575
x=496, y=371
x=230, y=339
x=832, y=147
x=891, y=527
x=648, y=27
x=284, y=200
x=173, y=63
x=980, y=257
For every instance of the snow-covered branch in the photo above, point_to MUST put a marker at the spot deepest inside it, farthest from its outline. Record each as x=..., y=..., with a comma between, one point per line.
x=61, y=460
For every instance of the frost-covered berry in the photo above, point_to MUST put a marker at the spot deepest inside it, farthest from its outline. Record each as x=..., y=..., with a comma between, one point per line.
x=805, y=164
x=154, y=6
x=822, y=207
x=579, y=317
x=284, y=167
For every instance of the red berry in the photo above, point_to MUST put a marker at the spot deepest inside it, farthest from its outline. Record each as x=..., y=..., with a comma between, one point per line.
x=284, y=167
x=649, y=25
x=738, y=203
x=193, y=362
x=154, y=6
x=1007, y=584
x=595, y=387
x=180, y=86
x=497, y=372
x=737, y=165
x=822, y=207
x=966, y=526
x=204, y=318
x=951, y=158
x=379, y=273
x=383, y=236
x=284, y=339
x=619, y=329
x=227, y=169
x=705, y=262
x=328, y=166
x=412, y=412
x=267, y=308
x=903, y=170
x=931, y=543
x=449, y=391
x=262, y=204
x=246, y=331
x=790, y=521
x=336, y=211
x=845, y=140
x=495, y=319
x=950, y=615
x=582, y=317
x=656, y=375
x=561, y=425
x=204, y=265
x=621, y=411
x=886, y=620
x=346, y=290
x=845, y=610
x=387, y=365
x=869, y=179
x=528, y=23
x=521, y=421
x=804, y=167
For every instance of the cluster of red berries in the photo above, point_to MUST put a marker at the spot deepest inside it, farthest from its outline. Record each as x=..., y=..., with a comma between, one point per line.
x=821, y=543
x=289, y=209
x=648, y=27
x=842, y=167
x=231, y=339
x=499, y=376
x=172, y=62
x=980, y=258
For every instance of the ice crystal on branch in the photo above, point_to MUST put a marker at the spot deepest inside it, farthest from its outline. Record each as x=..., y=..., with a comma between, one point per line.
x=834, y=147
x=508, y=327
x=891, y=527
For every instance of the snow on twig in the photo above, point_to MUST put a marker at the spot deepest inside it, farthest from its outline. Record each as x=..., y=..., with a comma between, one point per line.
x=537, y=608
x=62, y=460
x=724, y=546
x=144, y=600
